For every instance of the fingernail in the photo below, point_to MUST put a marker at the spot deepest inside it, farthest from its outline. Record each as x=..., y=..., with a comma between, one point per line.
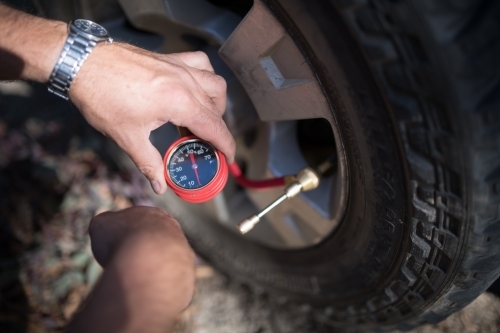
x=156, y=186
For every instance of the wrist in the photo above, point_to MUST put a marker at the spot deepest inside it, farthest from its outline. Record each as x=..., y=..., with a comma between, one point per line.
x=83, y=37
x=89, y=73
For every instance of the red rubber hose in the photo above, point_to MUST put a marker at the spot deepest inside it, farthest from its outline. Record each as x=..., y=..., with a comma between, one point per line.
x=243, y=181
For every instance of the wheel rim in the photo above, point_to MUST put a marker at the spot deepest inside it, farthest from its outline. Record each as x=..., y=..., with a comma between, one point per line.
x=273, y=73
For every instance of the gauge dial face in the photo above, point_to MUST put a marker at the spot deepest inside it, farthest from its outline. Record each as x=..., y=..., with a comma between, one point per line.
x=193, y=164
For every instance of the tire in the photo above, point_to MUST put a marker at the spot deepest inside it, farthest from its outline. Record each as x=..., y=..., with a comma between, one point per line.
x=421, y=128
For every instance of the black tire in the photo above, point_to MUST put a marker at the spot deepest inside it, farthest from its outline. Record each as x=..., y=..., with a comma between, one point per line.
x=421, y=127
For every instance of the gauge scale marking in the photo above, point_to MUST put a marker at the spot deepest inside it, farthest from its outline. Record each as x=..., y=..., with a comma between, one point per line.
x=194, y=170
x=193, y=164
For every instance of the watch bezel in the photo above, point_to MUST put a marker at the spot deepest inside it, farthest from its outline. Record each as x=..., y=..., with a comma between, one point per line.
x=74, y=29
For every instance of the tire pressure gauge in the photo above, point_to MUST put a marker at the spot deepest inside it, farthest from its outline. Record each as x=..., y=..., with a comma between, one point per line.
x=194, y=169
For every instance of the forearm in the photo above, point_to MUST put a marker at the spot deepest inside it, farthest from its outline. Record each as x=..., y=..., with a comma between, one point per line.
x=29, y=45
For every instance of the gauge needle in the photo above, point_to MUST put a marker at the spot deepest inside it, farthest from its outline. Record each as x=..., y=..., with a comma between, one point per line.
x=195, y=167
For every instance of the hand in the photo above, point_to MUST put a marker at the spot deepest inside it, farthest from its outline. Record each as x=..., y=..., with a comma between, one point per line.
x=148, y=274
x=110, y=230
x=126, y=92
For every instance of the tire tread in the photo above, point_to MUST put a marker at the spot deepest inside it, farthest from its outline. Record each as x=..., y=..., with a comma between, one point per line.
x=454, y=171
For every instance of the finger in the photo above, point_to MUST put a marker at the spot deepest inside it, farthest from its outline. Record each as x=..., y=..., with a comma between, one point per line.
x=196, y=59
x=147, y=159
x=214, y=86
x=210, y=127
x=101, y=250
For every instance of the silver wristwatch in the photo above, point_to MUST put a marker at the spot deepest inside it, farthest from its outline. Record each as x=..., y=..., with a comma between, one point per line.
x=83, y=37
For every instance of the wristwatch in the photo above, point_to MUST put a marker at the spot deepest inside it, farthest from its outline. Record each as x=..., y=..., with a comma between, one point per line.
x=83, y=37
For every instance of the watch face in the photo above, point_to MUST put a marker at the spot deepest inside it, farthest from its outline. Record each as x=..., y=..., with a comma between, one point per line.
x=90, y=27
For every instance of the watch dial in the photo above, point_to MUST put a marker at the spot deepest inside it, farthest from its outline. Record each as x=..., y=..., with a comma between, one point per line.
x=90, y=28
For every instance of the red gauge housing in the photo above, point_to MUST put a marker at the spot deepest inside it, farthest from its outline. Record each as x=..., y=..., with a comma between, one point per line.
x=207, y=191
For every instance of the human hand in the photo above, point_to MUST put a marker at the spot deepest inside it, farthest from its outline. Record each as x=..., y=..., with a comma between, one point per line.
x=126, y=92
x=141, y=239
x=148, y=276
x=110, y=230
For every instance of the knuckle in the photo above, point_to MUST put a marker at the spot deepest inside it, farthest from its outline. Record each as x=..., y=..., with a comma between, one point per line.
x=175, y=70
x=160, y=211
x=208, y=102
x=154, y=212
x=160, y=215
x=157, y=211
x=147, y=170
x=219, y=82
x=183, y=74
x=96, y=223
x=201, y=56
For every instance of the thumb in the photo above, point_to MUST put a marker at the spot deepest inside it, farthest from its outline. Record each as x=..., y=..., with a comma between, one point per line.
x=149, y=161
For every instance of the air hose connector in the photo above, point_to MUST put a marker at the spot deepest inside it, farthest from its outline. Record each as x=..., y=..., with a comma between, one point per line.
x=306, y=180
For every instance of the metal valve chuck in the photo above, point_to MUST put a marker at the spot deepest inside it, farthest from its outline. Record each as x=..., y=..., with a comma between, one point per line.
x=307, y=179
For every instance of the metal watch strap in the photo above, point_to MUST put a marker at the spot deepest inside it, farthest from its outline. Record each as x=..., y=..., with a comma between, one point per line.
x=75, y=51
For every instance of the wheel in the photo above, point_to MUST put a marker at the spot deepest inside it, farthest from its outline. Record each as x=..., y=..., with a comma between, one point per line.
x=405, y=95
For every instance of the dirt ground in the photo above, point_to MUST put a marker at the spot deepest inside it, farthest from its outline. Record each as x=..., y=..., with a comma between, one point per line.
x=222, y=307
x=54, y=176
